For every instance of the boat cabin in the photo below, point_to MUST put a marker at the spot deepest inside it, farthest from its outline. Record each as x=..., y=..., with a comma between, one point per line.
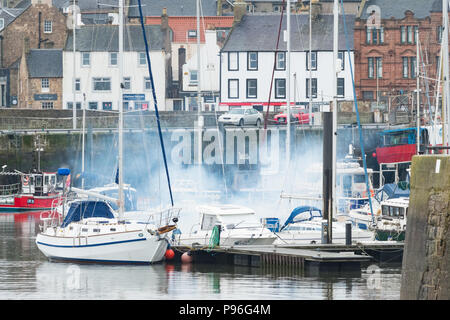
x=227, y=216
x=39, y=184
x=394, y=208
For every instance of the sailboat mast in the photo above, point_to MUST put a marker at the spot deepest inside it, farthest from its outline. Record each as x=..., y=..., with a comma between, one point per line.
x=446, y=100
x=74, y=108
x=336, y=68
x=199, y=99
x=310, y=63
x=288, y=83
x=418, y=92
x=120, y=106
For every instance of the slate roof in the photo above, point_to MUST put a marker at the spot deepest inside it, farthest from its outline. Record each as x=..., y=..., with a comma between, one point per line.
x=105, y=38
x=10, y=14
x=152, y=8
x=45, y=63
x=397, y=8
x=259, y=33
x=88, y=4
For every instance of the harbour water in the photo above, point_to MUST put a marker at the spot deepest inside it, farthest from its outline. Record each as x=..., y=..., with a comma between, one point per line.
x=25, y=273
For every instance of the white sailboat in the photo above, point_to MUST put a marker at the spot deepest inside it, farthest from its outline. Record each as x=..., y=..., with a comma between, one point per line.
x=93, y=232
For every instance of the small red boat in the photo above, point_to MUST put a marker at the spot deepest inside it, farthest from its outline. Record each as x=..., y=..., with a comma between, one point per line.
x=34, y=192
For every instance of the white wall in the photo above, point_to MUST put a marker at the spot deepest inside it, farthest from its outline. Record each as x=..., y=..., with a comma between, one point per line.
x=324, y=75
x=99, y=67
x=209, y=65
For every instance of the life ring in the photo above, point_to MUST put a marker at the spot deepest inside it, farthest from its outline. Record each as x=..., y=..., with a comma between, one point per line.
x=166, y=229
x=372, y=193
x=25, y=180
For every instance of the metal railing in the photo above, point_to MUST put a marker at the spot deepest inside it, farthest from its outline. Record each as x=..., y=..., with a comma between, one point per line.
x=10, y=189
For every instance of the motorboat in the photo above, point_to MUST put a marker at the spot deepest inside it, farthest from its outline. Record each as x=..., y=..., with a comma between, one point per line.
x=34, y=191
x=93, y=232
x=230, y=224
x=362, y=217
x=304, y=226
x=391, y=226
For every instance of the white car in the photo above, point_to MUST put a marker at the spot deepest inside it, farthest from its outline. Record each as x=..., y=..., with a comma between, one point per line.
x=242, y=116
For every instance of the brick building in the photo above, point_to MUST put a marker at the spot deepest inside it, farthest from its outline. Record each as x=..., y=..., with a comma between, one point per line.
x=385, y=51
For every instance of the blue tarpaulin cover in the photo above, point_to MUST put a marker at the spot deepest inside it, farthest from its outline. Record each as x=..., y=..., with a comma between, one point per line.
x=300, y=210
x=87, y=209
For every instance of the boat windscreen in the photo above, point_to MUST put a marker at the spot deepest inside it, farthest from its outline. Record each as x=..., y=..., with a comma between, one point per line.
x=87, y=209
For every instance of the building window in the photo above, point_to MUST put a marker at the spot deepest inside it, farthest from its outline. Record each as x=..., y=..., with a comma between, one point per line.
x=93, y=105
x=403, y=34
x=379, y=64
x=85, y=58
x=367, y=95
x=47, y=105
x=107, y=106
x=374, y=35
x=280, y=88
x=281, y=61
x=252, y=60
x=113, y=58
x=78, y=84
x=251, y=88
x=70, y=105
x=126, y=83
x=313, y=60
x=405, y=67
x=2, y=23
x=147, y=83
x=193, y=77
x=340, y=87
x=141, y=105
x=413, y=66
x=438, y=34
x=233, y=88
x=375, y=67
x=341, y=56
x=192, y=33
x=233, y=61
x=101, y=84
x=45, y=85
x=313, y=88
x=411, y=34
x=48, y=27
x=142, y=58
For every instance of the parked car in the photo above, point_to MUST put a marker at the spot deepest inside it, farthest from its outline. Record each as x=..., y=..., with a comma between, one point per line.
x=296, y=117
x=242, y=116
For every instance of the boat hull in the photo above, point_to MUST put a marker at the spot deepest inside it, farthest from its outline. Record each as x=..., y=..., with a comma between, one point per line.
x=389, y=235
x=121, y=248
x=316, y=237
x=28, y=203
x=226, y=241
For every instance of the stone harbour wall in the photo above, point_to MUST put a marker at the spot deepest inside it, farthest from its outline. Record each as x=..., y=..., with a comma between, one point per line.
x=426, y=259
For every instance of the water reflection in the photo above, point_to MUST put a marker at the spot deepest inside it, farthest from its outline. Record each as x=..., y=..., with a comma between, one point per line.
x=26, y=273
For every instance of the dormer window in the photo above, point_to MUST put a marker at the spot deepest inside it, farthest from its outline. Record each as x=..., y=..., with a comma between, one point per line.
x=2, y=24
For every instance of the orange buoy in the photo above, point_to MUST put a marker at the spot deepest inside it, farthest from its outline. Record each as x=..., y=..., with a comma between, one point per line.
x=186, y=257
x=169, y=254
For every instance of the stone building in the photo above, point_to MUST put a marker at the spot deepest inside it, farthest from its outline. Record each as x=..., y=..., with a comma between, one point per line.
x=385, y=51
x=45, y=27
x=40, y=78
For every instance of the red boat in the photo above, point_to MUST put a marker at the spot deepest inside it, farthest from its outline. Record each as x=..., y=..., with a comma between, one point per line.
x=34, y=192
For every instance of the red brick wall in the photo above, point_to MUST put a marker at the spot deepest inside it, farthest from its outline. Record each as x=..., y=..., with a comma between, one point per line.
x=392, y=52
